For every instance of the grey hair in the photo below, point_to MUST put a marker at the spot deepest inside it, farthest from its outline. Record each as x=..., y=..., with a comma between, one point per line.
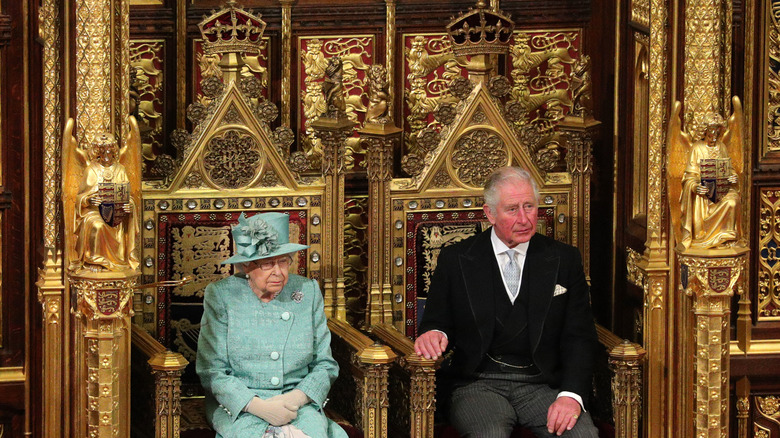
x=504, y=175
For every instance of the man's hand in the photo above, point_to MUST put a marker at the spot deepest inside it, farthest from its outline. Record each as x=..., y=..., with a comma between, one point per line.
x=562, y=415
x=733, y=178
x=430, y=344
x=702, y=190
x=275, y=412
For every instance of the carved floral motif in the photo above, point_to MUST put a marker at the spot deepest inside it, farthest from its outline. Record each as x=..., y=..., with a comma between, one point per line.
x=477, y=154
x=231, y=160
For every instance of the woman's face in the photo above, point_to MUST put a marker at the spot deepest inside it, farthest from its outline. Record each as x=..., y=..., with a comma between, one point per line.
x=270, y=275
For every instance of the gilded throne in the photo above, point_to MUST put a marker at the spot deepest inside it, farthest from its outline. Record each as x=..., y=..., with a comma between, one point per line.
x=233, y=161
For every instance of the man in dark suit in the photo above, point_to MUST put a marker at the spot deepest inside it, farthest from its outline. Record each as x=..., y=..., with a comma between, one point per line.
x=514, y=308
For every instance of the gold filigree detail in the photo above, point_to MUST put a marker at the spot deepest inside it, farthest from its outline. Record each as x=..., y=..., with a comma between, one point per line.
x=773, y=82
x=541, y=70
x=640, y=12
x=442, y=179
x=430, y=67
x=635, y=274
x=478, y=118
x=232, y=160
x=769, y=405
x=356, y=259
x=705, y=54
x=355, y=53
x=769, y=254
x=197, y=252
x=477, y=154
x=232, y=117
x=657, y=119
x=147, y=86
x=50, y=33
x=270, y=179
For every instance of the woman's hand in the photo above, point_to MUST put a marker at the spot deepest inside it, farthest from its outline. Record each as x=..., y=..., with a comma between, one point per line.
x=275, y=411
x=296, y=397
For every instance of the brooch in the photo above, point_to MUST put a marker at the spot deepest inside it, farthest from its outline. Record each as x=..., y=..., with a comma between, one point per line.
x=297, y=296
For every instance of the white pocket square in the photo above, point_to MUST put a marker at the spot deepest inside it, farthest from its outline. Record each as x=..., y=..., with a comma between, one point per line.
x=559, y=290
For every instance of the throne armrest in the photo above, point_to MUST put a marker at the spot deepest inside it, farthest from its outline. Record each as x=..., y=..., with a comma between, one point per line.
x=626, y=360
x=413, y=388
x=167, y=367
x=360, y=392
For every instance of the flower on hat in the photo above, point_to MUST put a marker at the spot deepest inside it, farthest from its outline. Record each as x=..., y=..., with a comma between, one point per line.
x=254, y=237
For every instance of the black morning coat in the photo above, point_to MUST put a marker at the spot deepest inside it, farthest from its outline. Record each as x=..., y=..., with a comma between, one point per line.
x=561, y=330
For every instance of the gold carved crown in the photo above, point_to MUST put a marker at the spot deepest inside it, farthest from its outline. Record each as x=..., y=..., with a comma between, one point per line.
x=231, y=30
x=480, y=31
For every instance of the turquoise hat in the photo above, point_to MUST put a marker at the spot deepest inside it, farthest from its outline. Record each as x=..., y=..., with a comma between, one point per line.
x=261, y=236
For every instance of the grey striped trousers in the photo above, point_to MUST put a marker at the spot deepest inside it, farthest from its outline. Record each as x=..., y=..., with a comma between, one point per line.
x=491, y=406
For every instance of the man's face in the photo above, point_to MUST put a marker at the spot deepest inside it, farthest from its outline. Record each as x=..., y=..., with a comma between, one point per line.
x=516, y=214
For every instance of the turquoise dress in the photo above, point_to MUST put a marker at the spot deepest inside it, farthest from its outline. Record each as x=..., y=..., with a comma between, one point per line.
x=249, y=348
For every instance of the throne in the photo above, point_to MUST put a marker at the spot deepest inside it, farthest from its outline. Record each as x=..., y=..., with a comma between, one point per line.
x=231, y=162
x=483, y=123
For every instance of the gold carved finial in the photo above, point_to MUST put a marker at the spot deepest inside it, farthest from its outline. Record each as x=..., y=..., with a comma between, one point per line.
x=480, y=31
x=232, y=30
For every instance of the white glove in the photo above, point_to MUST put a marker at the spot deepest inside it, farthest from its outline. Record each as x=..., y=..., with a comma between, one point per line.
x=276, y=412
x=296, y=397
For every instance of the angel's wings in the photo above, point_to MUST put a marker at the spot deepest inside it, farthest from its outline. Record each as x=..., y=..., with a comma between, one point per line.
x=678, y=146
x=74, y=161
x=130, y=157
x=734, y=136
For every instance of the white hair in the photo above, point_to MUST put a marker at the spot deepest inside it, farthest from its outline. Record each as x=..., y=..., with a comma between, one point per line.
x=504, y=175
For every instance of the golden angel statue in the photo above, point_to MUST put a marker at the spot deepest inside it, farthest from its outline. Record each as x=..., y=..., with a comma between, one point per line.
x=707, y=214
x=101, y=195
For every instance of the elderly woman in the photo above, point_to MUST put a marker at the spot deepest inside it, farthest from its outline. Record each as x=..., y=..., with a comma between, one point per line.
x=264, y=348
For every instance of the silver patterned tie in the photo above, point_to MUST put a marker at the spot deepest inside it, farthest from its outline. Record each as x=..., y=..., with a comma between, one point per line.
x=512, y=273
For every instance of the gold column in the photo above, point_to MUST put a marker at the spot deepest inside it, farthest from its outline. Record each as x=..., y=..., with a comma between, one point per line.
x=333, y=133
x=580, y=131
x=381, y=139
x=102, y=350
x=655, y=261
x=102, y=68
x=51, y=287
x=710, y=278
x=286, y=59
x=707, y=76
x=167, y=367
x=390, y=34
x=625, y=360
x=376, y=359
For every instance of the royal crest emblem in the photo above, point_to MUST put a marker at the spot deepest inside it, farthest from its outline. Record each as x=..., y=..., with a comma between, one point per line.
x=719, y=278
x=107, y=301
x=112, y=197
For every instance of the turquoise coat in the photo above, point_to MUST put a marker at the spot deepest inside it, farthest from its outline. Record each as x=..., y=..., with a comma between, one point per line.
x=250, y=348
